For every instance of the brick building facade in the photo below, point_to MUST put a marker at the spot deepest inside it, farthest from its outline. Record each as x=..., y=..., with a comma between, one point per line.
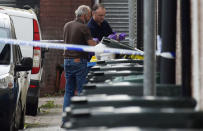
x=53, y=15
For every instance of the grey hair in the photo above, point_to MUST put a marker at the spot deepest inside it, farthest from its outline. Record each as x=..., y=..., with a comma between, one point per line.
x=82, y=10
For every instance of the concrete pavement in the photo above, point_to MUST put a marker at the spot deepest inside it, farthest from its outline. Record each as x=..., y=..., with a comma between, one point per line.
x=49, y=116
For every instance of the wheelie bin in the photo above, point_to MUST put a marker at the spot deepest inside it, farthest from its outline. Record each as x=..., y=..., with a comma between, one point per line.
x=136, y=116
x=119, y=76
x=129, y=88
x=119, y=61
x=118, y=68
x=130, y=128
x=90, y=101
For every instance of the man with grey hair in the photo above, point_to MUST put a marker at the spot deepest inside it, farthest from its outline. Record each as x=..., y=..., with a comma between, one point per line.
x=83, y=10
x=75, y=62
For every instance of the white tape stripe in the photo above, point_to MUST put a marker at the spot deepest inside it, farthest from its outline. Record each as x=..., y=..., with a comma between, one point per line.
x=71, y=47
x=167, y=55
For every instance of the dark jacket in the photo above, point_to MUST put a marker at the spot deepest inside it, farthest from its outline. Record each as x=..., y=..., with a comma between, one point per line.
x=99, y=31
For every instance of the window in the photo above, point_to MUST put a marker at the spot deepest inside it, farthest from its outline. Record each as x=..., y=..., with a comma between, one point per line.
x=4, y=33
x=5, y=54
x=18, y=54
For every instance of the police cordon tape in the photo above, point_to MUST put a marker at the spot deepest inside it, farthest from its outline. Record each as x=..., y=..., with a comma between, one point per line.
x=58, y=44
x=74, y=47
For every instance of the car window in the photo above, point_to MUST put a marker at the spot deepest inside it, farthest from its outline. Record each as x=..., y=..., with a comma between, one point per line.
x=5, y=52
x=4, y=33
x=17, y=54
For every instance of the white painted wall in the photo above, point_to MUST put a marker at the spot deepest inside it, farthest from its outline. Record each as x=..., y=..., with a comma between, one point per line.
x=197, y=51
x=201, y=51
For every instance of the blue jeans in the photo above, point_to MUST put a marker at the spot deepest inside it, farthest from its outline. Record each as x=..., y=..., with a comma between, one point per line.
x=75, y=73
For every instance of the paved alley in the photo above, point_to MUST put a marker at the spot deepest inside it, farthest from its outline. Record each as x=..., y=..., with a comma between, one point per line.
x=49, y=115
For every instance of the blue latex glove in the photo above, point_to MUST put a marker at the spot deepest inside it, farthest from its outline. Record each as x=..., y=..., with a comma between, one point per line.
x=96, y=40
x=117, y=36
x=122, y=36
x=113, y=36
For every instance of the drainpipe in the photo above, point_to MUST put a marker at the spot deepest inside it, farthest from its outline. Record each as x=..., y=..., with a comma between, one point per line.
x=132, y=22
x=168, y=34
x=186, y=48
x=149, y=47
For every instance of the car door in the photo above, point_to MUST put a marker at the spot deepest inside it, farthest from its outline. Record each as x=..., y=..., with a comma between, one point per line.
x=23, y=80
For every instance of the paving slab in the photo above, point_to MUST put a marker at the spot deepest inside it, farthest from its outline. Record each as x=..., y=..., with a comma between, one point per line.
x=49, y=115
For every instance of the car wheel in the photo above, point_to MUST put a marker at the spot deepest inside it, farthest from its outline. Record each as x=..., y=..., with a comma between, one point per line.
x=32, y=109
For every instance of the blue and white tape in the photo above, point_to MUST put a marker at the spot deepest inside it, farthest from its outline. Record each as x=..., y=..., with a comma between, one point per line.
x=58, y=44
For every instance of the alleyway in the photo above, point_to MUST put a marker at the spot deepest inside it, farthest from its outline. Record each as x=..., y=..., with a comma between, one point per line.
x=50, y=114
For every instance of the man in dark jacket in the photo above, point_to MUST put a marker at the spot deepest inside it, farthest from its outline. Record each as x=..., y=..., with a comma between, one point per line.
x=97, y=25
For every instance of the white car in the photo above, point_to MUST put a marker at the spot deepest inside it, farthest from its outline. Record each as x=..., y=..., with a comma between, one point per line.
x=14, y=80
x=27, y=28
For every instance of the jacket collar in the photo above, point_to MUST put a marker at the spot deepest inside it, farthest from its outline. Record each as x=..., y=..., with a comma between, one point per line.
x=79, y=20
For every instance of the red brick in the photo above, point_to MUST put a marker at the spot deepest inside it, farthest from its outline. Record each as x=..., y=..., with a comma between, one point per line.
x=53, y=16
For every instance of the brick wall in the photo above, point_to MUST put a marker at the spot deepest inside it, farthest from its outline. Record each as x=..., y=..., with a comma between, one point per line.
x=53, y=15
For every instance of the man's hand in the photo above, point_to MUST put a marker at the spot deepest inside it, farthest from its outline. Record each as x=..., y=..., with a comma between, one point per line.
x=113, y=36
x=122, y=36
x=117, y=36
